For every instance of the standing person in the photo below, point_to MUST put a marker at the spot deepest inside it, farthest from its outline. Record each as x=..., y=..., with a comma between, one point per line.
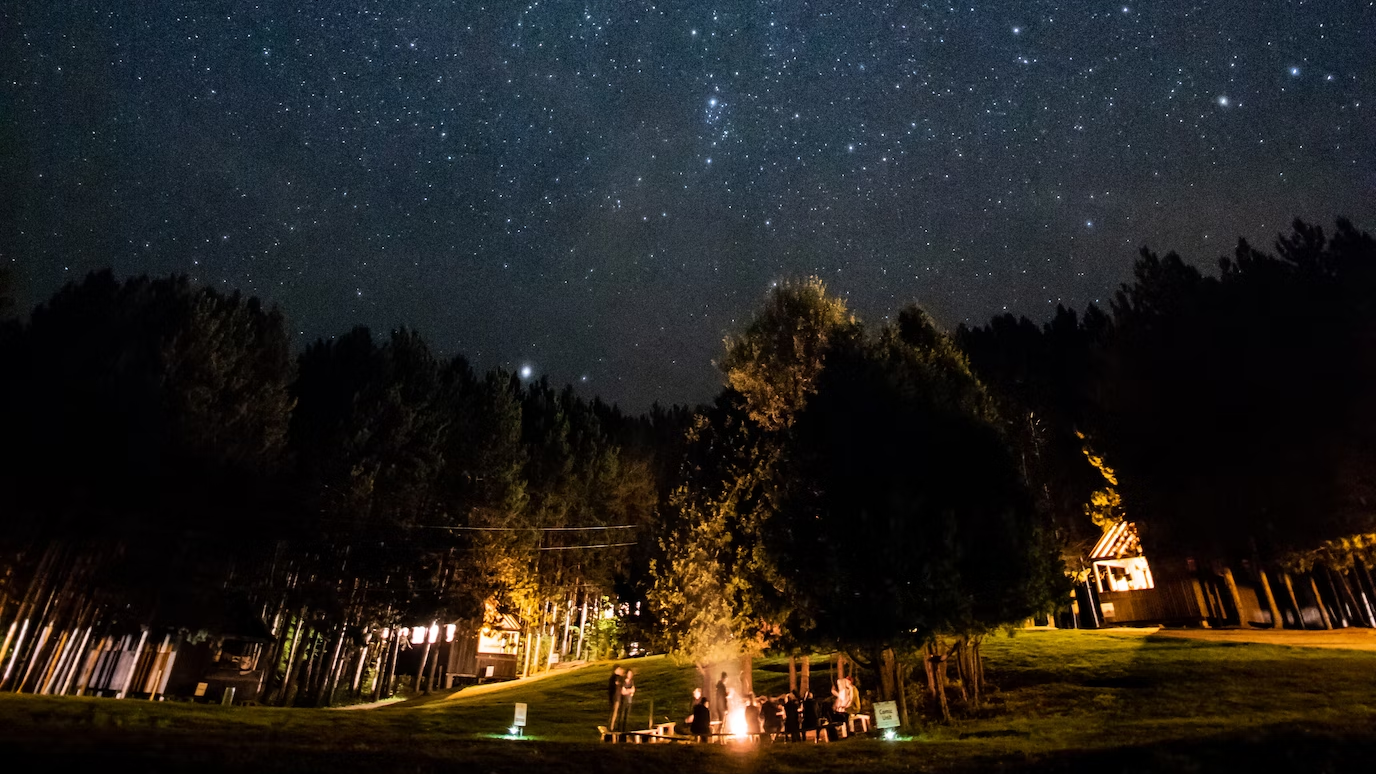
x=627, y=698
x=771, y=717
x=809, y=703
x=722, y=704
x=752, y=717
x=700, y=722
x=614, y=697
x=793, y=726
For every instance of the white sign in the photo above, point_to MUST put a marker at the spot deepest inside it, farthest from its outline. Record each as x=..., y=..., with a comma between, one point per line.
x=886, y=714
x=520, y=721
x=1106, y=608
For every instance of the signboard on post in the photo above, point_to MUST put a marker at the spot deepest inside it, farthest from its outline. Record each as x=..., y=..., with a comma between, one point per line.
x=518, y=726
x=886, y=714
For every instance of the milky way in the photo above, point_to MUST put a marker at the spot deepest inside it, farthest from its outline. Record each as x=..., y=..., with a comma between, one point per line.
x=597, y=191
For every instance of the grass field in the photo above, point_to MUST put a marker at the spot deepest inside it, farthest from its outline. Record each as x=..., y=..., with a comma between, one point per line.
x=1063, y=700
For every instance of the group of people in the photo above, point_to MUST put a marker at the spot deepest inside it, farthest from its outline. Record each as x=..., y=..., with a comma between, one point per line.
x=789, y=714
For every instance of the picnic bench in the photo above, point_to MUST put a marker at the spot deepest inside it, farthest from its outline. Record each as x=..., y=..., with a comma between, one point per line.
x=660, y=732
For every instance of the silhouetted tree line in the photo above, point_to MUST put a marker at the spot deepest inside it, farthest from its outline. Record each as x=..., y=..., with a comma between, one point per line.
x=1234, y=410
x=168, y=465
x=894, y=494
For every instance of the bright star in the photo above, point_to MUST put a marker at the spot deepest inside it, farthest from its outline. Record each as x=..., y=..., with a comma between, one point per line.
x=526, y=371
x=1223, y=101
x=1294, y=71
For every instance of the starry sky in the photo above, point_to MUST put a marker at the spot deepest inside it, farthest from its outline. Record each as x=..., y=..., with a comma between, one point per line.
x=597, y=190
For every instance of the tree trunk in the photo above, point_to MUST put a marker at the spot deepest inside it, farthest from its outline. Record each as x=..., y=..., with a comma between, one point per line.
x=330, y=674
x=1359, y=567
x=1362, y=594
x=390, y=687
x=901, y=679
x=33, y=658
x=56, y=660
x=929, y=666
x=1277, y=620
x=301, y=676
x=78, y=659
x=89, y=668
x=23, y=615
x=134, y=667
x=298, y=631
x=793, y=674
x=1346, y=605
x=804, y=679
x=1091, y=604
x=1231, y=583
x=939, y=663
x=1294, y=600
x=1318, y=600
x=420, y=670
x=747, y=676
x=962, y=671
x=568, y=622
x=888, y=672
x=582, y=626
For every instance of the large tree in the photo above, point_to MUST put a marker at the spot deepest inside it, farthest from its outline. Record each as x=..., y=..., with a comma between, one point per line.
x=903, y=514
x=855, y=493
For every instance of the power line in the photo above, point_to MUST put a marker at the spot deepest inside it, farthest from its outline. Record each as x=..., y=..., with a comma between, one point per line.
x=596, y=545
x=532, y=529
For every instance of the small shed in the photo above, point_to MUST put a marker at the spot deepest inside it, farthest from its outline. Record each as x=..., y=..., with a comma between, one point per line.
x=1178, y=593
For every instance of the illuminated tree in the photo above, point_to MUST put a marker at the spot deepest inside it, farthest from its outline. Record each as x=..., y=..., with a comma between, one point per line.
x=775, y=362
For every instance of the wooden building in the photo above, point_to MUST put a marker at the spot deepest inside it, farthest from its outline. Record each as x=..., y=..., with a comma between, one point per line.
x=1131, y=591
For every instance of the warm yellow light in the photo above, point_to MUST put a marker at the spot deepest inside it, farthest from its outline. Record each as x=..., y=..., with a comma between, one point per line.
x=735, y=723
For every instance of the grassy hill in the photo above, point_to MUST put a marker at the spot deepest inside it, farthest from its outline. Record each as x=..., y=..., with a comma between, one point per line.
x=1116, y=701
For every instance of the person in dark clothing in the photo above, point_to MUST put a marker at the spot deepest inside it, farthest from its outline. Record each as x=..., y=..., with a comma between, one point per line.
x=721, y=704
x=793, y=728
x=752, y=717
x=627, y=698
x=809, y=711
x=614, y=697
x=700, y=722
x=771, y=717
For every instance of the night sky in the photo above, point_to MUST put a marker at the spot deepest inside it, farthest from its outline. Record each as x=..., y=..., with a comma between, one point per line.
x=599, y=190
